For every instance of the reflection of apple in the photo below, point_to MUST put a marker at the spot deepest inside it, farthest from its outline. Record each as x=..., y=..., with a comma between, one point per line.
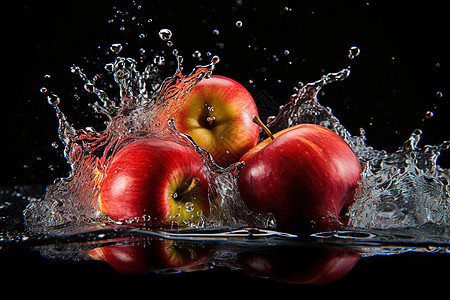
x=154, y=255
x=306, y=173
x=300, y=265
x=156, y=182
x=218, y=114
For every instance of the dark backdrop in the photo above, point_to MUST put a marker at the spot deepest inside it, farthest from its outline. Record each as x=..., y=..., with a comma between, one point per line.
x=403, y=63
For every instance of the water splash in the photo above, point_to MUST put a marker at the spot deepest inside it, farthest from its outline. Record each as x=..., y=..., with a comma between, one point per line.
x=140, y=112
x=400, y=189
x=406, y=188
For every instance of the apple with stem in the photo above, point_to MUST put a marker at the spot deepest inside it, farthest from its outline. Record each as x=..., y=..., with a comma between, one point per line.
x=305, y=173
x=155, y=182
x=218, y=114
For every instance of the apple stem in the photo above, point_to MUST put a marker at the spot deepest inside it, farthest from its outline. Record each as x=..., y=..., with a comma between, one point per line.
x=258, y=121
x=194, y=182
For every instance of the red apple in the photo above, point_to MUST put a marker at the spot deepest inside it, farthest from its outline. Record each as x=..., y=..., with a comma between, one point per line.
x=153, y=255
x=156, y=182
x=305, y=265
x=306, y=173
x=218, y=114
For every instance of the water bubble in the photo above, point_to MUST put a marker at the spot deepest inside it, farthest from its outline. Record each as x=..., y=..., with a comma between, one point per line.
x=116, y=48
x=43, y=90
x=239, y=24
x=169, y=43
x=149, y=20
x=353, y=52
x=286, y=52
x=142, y=35
x=429, y=114
x=216, y=32
x=47, y=76
x=55, y=145
x=165, y=34
x=439, y=94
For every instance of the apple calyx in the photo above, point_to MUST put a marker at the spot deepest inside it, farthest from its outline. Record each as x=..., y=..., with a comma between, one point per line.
x=258, y=121
x=194, y=182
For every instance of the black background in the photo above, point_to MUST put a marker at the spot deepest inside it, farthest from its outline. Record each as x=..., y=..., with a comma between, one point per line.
x=403, y=63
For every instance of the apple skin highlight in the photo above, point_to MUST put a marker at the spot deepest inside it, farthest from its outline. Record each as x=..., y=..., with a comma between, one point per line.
x=307, y=173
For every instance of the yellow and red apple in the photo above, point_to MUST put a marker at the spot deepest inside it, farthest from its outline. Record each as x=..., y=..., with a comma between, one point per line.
x=218, y=114
x=155, y=182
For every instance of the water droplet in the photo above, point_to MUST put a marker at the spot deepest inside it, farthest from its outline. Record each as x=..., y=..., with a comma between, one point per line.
x=353, y=52
x=159, y=60
x=239, y=24
x=439, y=94
x=43, y=89
x=53, y=99
x=286, y=52
x=109, y=67
x=189, y=206
x=47, y=76
x=89, y=87
x=216, y=32
x=116, y=48
x=215, y=59
x=429, y=114
x=197, y=54
x=55, y=145
x=142, y=35
x=149, y=20
x=165, y=34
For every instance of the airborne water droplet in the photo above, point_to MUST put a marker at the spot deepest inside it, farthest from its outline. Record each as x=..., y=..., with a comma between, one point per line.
x=165, y=34
x=116, y=48
x=53, y=99
x=353, y=52
x=197, y=54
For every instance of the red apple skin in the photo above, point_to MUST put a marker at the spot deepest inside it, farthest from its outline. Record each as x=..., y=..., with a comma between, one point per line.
x=307, y=174
x=300, y=265
x=232, y=132
x=154, y=255
x=142, y=178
